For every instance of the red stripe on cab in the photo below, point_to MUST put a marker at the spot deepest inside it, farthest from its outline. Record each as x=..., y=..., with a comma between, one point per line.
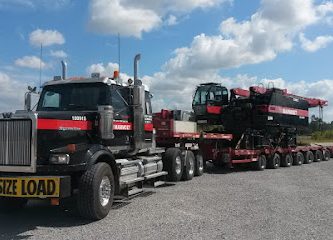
x=56, y=124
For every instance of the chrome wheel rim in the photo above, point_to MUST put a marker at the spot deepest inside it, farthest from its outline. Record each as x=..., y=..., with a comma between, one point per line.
x=178, y=166
x=105, y=191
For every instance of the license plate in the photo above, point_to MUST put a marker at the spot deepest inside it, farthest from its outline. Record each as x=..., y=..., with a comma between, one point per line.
x=30, y=187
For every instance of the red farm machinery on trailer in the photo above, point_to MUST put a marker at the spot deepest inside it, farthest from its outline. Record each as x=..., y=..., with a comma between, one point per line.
x=258, y=126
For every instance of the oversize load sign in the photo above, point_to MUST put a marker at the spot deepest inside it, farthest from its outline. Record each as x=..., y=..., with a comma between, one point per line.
x=41, y=187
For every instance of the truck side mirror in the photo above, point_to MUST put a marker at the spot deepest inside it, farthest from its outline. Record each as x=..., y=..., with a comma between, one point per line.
x=27, y=101
x=105, y=125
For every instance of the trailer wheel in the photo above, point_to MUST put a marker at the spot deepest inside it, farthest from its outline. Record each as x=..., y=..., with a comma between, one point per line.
x=199, y=164
x=298, y=159
x=327, y=155
x=188, y=172
x=309, y=157
x=318, y=156
x=287, y=160
x=260, y=164
x=8, y=205
x=96, y=190
x=275, y=161
x=173, y=163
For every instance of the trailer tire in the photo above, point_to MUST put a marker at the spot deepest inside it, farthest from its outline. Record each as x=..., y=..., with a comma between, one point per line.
x=309, y=157
x=173, y=163
x=261, y=163
x=199, y=164
x=298, y=159
x=8, y=205
x=287, y=160
x=318, y=156
x=189, y=169
x=327, y=155
x=96, y=191
x=275, y=161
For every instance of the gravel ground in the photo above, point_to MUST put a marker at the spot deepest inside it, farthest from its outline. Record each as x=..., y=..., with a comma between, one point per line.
x=288, y=203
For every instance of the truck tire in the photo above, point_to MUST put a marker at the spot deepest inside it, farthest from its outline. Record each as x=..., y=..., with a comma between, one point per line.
x=287, y=160
x=298, y=159
x=327, y=155
x=260, y=164
x=318, y=156
x=96, y=191
x=8, y=205
x=199, y=164
x=274, y=161
x=189, y=169
x=309, y=157
x=172, y=160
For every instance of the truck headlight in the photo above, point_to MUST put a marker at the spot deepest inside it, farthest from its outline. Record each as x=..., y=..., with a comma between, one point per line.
x=59, y=159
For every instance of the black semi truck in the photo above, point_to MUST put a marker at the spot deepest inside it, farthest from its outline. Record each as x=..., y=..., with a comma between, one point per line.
x=90, y=136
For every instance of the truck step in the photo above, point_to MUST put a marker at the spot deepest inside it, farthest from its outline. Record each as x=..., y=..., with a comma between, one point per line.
x=159, y=183
x=131, y=181
x=155, y=175
x=134, y=191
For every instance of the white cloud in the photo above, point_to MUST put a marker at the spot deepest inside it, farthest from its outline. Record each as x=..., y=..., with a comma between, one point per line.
x=318, y=43
x=33, y=4
x=30, y=62
x=58, y=54
x=270, y=31
x=107, y=70
x=46, y=37
x=11, y=94
x=132, y=17
x=171, y=20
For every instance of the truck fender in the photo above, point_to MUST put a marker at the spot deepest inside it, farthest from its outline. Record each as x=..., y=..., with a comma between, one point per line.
x=99, y=153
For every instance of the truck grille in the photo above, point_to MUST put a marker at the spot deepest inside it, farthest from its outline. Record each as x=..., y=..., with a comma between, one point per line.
x=15, y=142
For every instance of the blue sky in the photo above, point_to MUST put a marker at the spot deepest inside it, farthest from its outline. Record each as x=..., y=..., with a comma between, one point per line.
x=183, y=43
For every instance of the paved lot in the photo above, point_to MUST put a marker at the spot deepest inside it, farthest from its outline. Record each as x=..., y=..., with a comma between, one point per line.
x=288, y=203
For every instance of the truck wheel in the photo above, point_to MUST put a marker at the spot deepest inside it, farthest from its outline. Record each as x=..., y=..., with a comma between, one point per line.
x=327, y=155
x=96, y=190
x=309, y=157
x=318, y=156
x=298, y=159
x=173, y=163
x=287, y=160
x=260, y=165
x=199, y=164
x=8, y=205
x=275, y=161
x=188, y=172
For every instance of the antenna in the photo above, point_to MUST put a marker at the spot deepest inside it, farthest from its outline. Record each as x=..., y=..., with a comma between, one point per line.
x=119, y=52
x=40, y=65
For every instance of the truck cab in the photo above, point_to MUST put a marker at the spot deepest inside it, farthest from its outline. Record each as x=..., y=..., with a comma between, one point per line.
x=208, y=102
x=91, y=135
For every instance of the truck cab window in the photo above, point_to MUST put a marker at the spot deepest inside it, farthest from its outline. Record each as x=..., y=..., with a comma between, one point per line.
x=52, y=100
x=120, y=106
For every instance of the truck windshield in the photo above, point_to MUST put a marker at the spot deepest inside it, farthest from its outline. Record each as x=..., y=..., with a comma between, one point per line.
x=73, y=97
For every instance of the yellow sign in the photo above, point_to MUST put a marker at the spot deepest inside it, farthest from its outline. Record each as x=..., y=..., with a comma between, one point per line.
x=30, y=187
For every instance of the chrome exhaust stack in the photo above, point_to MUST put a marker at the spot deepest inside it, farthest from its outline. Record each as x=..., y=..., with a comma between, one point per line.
x=64, y=69
x=138, y=107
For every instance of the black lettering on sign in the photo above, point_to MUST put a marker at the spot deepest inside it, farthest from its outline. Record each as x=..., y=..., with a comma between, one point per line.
x=24, y=190
x=1, y=187
x=32, y=186
x=41, y=187
x=9, y=186
x=51, y=187
x=14, y=187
